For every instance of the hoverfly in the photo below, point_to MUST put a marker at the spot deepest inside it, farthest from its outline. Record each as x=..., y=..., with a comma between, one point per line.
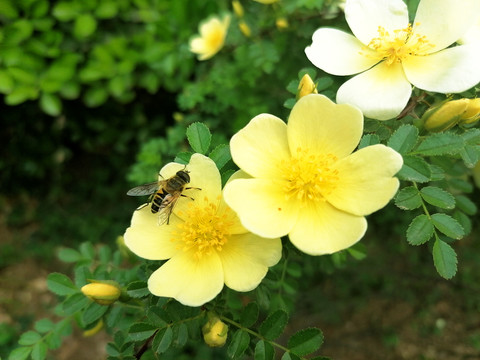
x=165, y=194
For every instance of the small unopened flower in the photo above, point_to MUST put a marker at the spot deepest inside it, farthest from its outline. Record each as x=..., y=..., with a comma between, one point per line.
x=444, y=116
x=281, y=23
x=472, y=113
x=102, y=292
x=244, y=28
x=306, y=87
x=215, y=332
x=266, y=2
x=302, y=178
x=95, y=329
x=211, y=38
x=205, y=245
x=237, y=8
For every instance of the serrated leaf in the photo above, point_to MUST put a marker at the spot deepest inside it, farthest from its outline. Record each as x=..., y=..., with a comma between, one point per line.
x=368, y=139
x=199, y=137
x=61, y=284
x=408, y=198
x=74, y=303
x=93, y=312
x=20, y=353
x=163, y=340
x=138, y=289
x=464, y=221
x=157, y=316
x=466, y=205
x=470, y=155
x=180, y=335
x=441, y=144
x=448, y=226
x=444, y=259
x=29, y=338
x=274, y=324
x=414, y=169
x=239, y=344
x=183, y=157
x=438, y=197
x=404, y=139
x=221, y=155
x=249, y=315
x=39, y=351
x=264, y=351
x=290, y=103
x=305, y=341
x=141, y=331
x=420, y=230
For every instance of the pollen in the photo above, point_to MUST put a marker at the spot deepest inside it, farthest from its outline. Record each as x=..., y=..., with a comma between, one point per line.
x=309, y=177
x=205, y=230
x=396, y=46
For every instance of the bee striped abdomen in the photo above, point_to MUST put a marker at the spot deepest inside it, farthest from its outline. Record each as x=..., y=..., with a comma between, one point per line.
x=157, y=201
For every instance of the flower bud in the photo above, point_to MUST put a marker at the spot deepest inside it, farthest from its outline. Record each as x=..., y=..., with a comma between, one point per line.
x=94, y=330
x=281, y=23
x=244, y=28
x=306, y=87
x=215, y=332
x=472, y=113
x=444, y=116
x=102, y=292
x=237, y=8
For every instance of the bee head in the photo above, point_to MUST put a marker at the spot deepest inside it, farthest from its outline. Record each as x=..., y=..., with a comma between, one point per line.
x=183, y=174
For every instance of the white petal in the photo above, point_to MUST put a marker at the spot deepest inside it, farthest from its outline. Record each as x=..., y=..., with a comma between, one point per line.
x=451, y=70
x=365, y=16
x=444, y=21
x=338, y=53
x=381, y=92
x=472, y=35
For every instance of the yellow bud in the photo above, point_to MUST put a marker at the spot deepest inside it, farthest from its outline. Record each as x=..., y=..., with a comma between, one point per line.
x=237, y=8
x=94, y=330
x=266, y=2
x=244, y=28
x=281, y=23
x=472, y=113
x=103, y=293
x=445, y=115
x=215, y=332
x=306, y=87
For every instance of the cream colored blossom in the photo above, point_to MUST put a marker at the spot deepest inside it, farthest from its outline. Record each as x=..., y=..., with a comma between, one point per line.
x=204, y=244
x=302, y=179
x=391, y=55
x=211, y=38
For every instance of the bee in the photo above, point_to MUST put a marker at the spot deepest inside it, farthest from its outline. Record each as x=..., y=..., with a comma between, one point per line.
x=164, y=194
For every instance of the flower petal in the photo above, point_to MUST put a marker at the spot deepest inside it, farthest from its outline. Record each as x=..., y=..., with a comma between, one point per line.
x=365, y=180
x=260, y=146
x=451, y=70
x=381, y=92
x=472, y=35
x=318, y=124
x=339, y=53
x=147, y=239
x=246, y=259
x=364, y=17
x=190, y=281
x=444, y=21
x=323, y=229
x=261, y=206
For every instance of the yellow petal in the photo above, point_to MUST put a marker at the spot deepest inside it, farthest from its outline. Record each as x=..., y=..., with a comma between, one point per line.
x=261, y=206
x=246, y=259
x=323, y=229
x=381, y=92
x=260, y=146
x=188, y=280
x=323, y=127
x=365, y=180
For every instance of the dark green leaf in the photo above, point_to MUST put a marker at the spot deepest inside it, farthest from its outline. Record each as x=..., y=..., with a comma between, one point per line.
x=464, y=221
x=39, y=351
x=408, y=198
x=162, y=340
x=20, y=353
x=368, y=139
x=180, y=335
x=404, y=139
x=444, y=259
x=199, y=137
x=29, y=338
x=183, y=157
x=249, y=315
x=141, y=331
x=305, y=341
x=441, y=144
x=239, y=344
x=138, y=289
x=290, y=103
x=74, y=303
x=358, y=251
x=438, y=197
x=420, y=230
x=323, y=82
x=470, y=155
x=414, y=169
x=290, y=356
x=274, y=324
x=292, y=86
x=113, y=350
x=471, y=137
x=448, y=226
x=157, y=316
x=60, y=284
x=93, y=312
x=264, y=351
x=466, y=205
x=221, y=155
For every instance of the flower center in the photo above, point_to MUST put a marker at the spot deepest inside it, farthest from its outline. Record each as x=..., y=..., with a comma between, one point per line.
x=393, y=48
x=204, y=230
x=309, y=177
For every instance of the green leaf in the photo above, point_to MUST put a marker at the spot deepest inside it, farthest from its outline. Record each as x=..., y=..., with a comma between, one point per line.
x=444, y=259
x=274, y=324
x=470, y=155
x=404, y=139
x=199, y=137
x=414, y=169
x=74, y=303
x=420, y=230
x=163, y=340
x=20, y=353
x=305, y=341
x=39, y=351
x=157, y=316
x=6, y=82
x=69, y=255
x=408, y=198
x=438, y=197
x=249, y=315
x=181, y=335
x=44, y=325
x=84, y=26
x=369, y=139
x=65, y=10
x=239, y=344
x=87, y=250
x=290, y=103
x=141, y=331
x=221, y=155
x=441, y=144
x=448, y=226
x=466, y=205
x=60, y=284
x=138, y=289
x=29, y=338
x=264, y=351
x=93, y=312
x=50, y=104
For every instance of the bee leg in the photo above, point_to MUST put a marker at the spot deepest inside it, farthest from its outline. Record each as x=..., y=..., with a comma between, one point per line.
x=142, y=206
x=194, y=188
x=187, y=197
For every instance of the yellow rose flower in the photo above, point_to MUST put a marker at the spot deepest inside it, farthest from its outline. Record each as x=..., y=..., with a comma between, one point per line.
x=205, y=244
x=303, y=179
x=211, y=38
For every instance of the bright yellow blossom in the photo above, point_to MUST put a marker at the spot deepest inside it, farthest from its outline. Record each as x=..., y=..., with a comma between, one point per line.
x=302, y=179
x=211, y=38
x=205, y=244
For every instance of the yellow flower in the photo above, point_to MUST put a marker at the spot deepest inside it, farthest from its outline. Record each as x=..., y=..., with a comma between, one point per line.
x=390, y=55
x=303, y=179
x=215, y=332
x=211, y=38
x=244, y=28
x=103, y=293
x=472, y=113
x=205, y=244
x=238, y=8
x=281, y=23
x=306, y=86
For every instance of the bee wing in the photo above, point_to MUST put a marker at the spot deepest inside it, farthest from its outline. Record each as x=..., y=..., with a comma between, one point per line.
x=166, y=208
x=145, y=189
